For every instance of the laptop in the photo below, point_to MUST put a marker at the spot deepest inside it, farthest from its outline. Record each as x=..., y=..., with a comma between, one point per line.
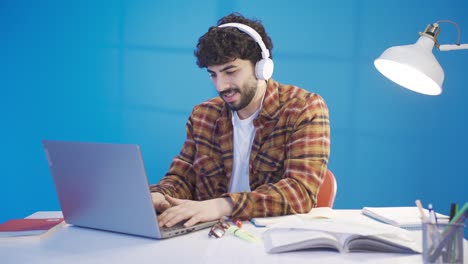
x=104, y=186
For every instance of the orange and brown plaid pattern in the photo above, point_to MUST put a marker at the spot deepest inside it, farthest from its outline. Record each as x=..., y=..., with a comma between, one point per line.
x=288, y=160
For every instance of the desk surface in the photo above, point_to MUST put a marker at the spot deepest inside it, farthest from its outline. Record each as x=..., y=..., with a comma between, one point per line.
x=80, y=245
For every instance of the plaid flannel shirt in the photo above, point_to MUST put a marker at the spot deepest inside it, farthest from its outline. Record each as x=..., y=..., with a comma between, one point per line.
x=288, y=160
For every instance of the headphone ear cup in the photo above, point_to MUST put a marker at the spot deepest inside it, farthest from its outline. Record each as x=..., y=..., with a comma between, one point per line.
x=264, y=69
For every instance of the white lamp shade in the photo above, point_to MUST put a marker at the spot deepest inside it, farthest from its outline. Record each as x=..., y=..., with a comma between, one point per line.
x=413, y=66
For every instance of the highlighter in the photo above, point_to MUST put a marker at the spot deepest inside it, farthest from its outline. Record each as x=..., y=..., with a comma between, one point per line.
x=242, y=234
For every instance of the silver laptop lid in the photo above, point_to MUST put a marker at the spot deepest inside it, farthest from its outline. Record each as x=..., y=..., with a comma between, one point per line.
x=102, y=186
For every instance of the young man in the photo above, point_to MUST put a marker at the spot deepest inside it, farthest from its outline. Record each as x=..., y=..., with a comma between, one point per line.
x=259, y=149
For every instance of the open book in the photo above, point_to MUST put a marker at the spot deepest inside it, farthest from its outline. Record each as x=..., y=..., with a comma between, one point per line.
x=340, y=235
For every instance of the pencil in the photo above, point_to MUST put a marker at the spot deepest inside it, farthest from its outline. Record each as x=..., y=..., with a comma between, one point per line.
x=421, y=211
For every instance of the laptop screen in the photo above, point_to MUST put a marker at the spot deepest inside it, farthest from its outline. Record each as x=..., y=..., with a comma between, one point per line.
x=102, y=186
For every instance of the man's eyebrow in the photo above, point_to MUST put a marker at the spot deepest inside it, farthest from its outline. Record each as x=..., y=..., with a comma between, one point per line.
x=223, y=69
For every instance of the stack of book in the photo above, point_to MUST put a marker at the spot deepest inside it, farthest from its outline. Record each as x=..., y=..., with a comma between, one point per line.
x=30, y=227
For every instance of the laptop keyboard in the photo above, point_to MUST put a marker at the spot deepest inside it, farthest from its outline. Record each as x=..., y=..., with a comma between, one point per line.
x=177, y=226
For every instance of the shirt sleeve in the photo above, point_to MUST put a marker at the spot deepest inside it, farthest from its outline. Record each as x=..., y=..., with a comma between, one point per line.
x=305, y=165
x=179, y=180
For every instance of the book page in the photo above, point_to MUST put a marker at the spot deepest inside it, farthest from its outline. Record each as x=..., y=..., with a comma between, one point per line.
x=289, y=239
x=379, y=237
x=268, y=221
x=315, y=213
x=382, y=243
x=344, y=226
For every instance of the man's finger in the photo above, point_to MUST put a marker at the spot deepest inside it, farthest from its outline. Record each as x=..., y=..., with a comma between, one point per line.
x=163, y=206
x=192, y=221
x=171, y=217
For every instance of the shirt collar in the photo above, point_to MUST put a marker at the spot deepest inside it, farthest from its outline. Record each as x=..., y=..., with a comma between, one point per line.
x=270, y=105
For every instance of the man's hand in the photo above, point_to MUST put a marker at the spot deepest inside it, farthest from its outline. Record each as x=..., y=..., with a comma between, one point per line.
x=159, y=202
x=194, y=211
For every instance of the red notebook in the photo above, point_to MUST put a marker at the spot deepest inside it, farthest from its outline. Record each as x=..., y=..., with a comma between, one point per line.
x=30, y=227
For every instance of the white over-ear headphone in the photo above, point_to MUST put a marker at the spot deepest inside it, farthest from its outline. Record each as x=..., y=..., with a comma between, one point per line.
x=264, y=67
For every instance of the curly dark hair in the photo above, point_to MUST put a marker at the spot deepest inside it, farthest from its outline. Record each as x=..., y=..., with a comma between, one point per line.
x=222, y=45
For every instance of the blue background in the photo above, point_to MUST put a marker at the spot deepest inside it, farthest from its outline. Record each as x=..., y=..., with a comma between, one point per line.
x=124, y=71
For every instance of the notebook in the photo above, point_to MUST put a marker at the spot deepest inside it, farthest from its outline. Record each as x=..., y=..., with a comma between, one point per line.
x=404, y=217
x=104, y=186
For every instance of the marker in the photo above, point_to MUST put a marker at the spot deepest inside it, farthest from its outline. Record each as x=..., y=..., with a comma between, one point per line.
x=453, y=210
x=242, y=234
x=432, y=215
x=459, y=214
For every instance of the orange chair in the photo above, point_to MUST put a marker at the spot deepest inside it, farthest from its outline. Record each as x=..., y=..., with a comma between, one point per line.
x=327, y=192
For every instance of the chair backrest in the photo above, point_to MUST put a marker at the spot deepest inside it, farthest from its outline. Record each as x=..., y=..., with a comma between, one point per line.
x=327, y=191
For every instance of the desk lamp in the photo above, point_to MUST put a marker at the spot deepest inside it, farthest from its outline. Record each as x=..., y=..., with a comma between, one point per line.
x=414, y=66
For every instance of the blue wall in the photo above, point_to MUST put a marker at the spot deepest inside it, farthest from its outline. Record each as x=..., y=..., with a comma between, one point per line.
x=124, y=71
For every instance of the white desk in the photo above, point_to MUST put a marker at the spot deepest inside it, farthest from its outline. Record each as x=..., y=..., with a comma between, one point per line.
x=80, y=245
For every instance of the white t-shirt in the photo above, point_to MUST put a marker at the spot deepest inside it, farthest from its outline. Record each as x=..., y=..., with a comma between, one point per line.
x=244, y=134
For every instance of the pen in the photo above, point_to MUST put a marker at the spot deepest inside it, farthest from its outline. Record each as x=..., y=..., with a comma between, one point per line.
x=459, y=214
x=256, y=223
x=451, y=249
x=432, y=215
x=433, y=230
x=453, y=210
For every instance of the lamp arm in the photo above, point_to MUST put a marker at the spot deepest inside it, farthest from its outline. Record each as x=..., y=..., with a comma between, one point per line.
x=447, y=47
x=456, y=25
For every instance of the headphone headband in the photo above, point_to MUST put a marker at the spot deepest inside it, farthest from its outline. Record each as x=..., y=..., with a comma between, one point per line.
x=253, y=34
x=264, y=67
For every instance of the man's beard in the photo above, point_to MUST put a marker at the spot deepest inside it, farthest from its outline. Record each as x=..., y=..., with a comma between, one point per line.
x=245, y=97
